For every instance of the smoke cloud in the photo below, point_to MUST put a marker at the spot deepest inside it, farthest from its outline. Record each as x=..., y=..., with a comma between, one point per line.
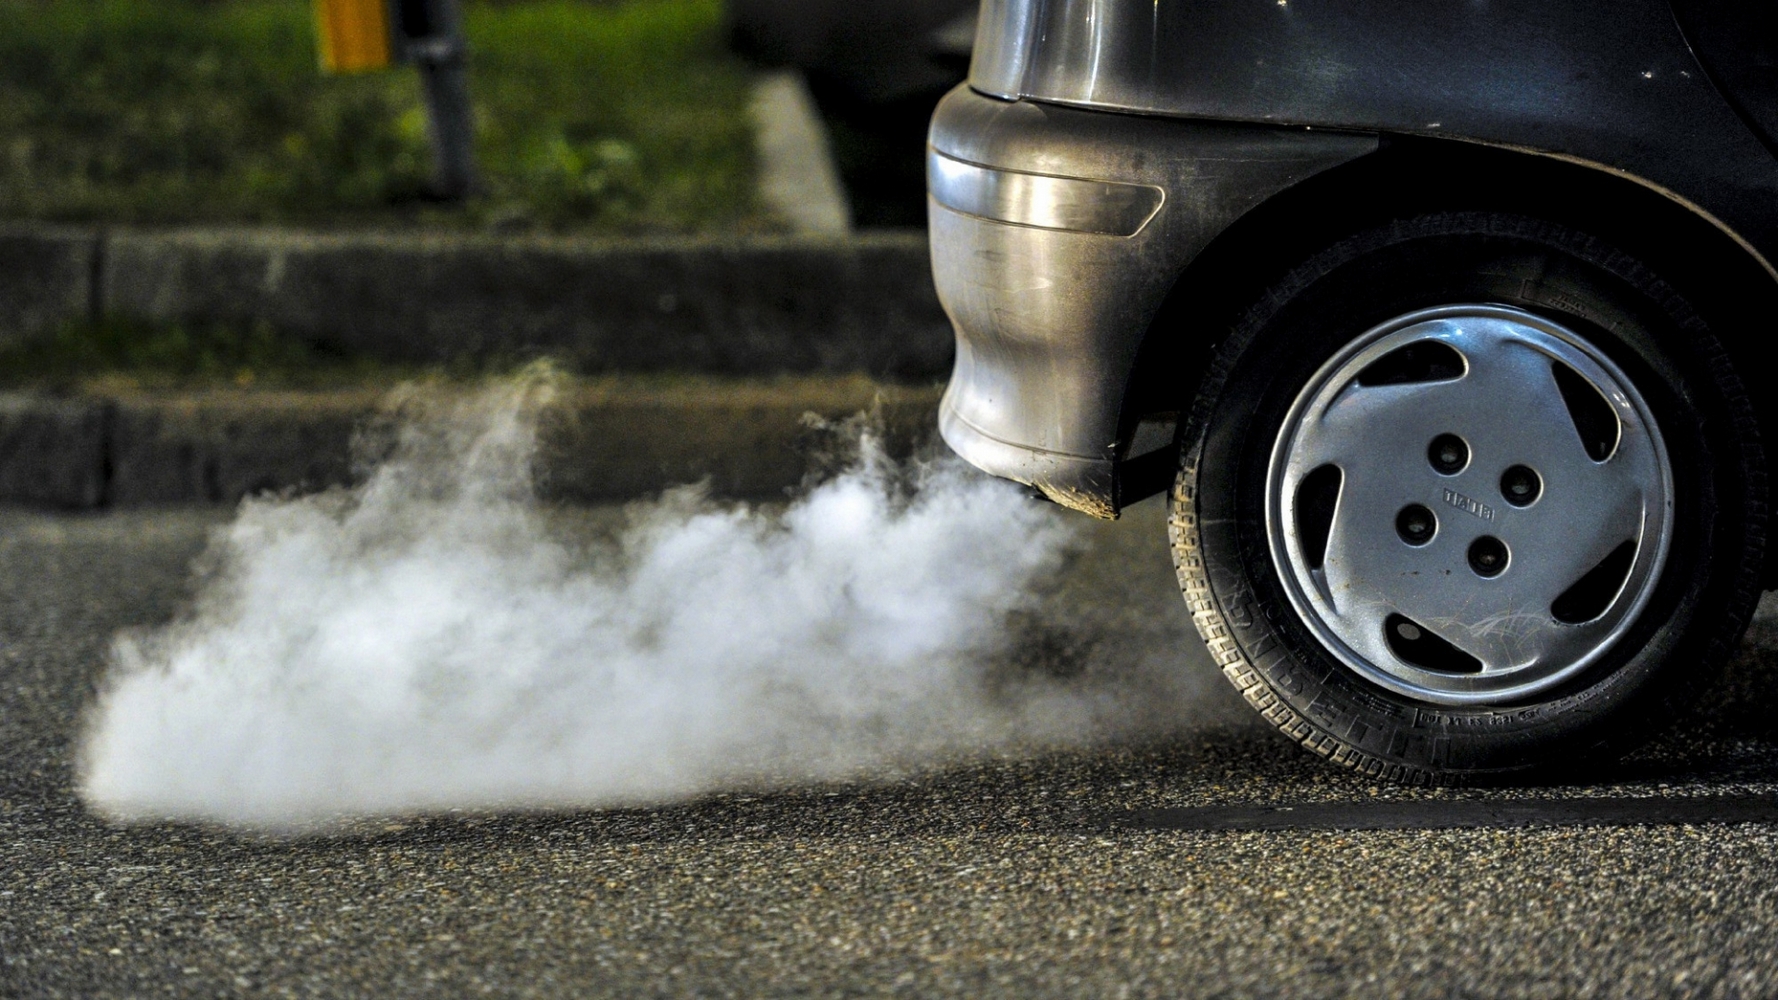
x=435, y=638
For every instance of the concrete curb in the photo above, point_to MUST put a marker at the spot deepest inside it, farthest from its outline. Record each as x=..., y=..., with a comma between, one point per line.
x=600, y=443
x=797, y=175
x=48, y=276
x=757, y=305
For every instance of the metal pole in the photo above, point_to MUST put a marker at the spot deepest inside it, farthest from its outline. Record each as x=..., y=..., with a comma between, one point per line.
x=445, y=77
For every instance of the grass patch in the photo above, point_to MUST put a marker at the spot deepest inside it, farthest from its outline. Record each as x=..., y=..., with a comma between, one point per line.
x=608, y=118
x=132, y=355
x=122, y=353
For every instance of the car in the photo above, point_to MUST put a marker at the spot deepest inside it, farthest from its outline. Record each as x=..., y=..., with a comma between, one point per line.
x=1441, y=324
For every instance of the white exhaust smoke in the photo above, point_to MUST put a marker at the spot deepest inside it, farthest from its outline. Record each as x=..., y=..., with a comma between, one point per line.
x=436, y=639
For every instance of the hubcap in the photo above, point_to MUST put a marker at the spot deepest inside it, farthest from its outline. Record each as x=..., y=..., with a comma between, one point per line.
x=1469, y=504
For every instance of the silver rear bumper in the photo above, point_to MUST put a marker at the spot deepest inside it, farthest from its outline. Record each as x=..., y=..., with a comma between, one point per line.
x=1056, y=235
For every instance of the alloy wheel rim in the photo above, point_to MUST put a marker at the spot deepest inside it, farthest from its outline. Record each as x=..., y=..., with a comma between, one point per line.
x=1469, y=505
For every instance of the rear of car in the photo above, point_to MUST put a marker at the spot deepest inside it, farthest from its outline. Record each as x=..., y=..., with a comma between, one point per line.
x=1440, y=322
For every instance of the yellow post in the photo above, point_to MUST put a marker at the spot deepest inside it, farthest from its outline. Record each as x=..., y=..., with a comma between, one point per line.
x=355, y=35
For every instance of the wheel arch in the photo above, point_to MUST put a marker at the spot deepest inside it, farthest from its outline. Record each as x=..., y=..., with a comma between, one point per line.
x=1722, y=276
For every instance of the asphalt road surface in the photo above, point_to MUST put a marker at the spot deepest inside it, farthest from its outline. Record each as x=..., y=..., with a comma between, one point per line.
x=993, y=877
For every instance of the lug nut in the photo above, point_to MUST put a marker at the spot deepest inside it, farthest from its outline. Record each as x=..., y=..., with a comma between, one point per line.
x=1416, y=524
x=1448, y=454
x=1521, y=486
x=1487, y=556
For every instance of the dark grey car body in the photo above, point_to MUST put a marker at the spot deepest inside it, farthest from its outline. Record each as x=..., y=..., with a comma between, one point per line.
x=1119, y=175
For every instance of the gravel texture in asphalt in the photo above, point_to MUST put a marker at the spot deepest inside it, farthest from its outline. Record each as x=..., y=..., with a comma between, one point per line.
x=992, y=876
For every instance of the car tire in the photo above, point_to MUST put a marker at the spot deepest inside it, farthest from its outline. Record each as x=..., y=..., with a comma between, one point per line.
x=1413, y=620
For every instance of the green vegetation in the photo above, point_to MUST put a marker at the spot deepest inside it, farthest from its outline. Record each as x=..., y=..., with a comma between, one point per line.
x=135, y=354
x=128, y=355
x=602, y=117
x=120, y=356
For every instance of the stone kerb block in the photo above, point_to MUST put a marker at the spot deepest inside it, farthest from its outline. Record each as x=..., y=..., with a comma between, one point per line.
x=52, y=451
x=219, y=447
x=358, y=291
x=753, y=306
x=46, y=278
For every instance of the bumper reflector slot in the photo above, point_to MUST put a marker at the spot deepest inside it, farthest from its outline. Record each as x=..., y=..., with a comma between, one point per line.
x=1109, y=208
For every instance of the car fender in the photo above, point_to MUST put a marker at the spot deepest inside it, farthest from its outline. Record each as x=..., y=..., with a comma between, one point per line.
x=1056, y=236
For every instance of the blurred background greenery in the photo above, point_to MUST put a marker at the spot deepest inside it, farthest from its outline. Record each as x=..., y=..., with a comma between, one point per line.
x=616, y=117
x=599, y=117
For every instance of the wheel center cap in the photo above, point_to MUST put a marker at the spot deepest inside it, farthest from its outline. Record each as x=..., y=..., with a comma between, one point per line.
x=1469, y=504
